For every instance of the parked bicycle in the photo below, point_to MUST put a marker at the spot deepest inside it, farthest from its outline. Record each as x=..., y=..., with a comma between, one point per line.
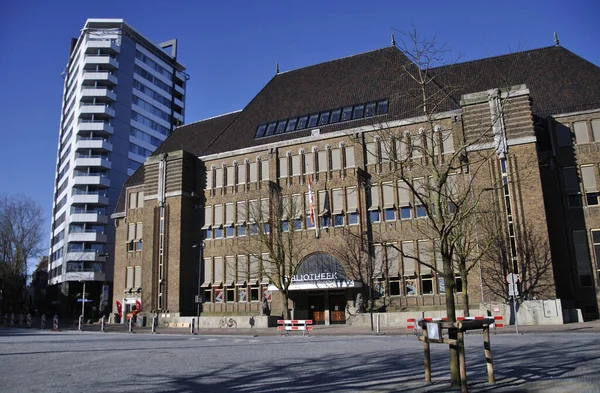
x=227, y=322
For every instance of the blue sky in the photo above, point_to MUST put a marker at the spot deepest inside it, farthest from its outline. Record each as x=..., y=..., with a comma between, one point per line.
x=230, y=49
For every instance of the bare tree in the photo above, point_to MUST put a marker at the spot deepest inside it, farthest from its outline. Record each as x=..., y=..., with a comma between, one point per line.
x=275, y=245
x=533, y=258
x=20, y=239
x=446, y=163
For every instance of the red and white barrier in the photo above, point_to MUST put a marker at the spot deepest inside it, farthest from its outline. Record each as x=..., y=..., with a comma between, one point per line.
x=55, y=323
x=411, y=323
x=288, y=325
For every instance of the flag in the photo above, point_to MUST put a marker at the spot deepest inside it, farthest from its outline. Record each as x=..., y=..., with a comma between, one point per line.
x=311, y=202
x=119, y=308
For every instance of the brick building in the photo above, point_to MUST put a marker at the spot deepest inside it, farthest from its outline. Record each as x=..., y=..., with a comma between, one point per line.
x=354, y=139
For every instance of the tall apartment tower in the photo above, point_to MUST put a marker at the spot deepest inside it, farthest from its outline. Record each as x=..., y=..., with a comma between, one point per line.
x=123, y=95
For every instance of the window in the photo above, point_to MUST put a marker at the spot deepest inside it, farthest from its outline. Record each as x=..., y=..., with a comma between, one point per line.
x=254, y=290
x=589, y=184
x=427, y=284
x=281, y=127
x=335, y=116
x=347, y=113
x=338, y=207
x=404, y=200
x=382, y=107
x=302, y=123
x=374, y=207
x=370, y=109
x=596, y=129
x=285, y=225
x=563, y=134
x=394, y=287
x=581, y=132
x=596, y=244
x=389, y=211
x=291, y=125
x=230, y=295
x=312, y=120
x=359, y=111
x=351, y=199
x=571, y=186
x=580, y=242
x=458, y=287
x=271, y=128
x=323, y=118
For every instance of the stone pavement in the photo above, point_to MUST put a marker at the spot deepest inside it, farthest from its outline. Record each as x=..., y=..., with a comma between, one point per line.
x=331, y=330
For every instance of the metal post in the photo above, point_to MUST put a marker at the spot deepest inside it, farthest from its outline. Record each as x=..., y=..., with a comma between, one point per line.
x=80, y=322
x=427, y=354
x=154, y=324
x=131, y=325
x=462, y=361
x=487, y=349
x=83, y=302
x=102, y=324
x=514, y=299
x=192, y=326
x=378, y=324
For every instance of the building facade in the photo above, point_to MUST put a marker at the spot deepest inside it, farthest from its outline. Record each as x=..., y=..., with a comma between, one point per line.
x=359, y=176
x=123, y=95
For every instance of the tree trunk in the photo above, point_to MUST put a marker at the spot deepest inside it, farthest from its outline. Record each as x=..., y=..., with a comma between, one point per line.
x=451, y=314
x=465, y=293
x=286, y=302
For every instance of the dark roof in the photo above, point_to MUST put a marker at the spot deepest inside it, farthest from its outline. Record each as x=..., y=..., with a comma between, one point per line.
x=559, y=81
x=351, y=80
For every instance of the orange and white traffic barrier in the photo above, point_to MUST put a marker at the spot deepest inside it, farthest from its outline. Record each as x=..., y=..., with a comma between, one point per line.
x=498, y=321
x=287, y=325
x=28, y=320
x=43, y=322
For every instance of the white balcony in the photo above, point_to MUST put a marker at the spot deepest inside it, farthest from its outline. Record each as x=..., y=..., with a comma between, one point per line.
x=89, y=217
x=91, y=180
x=180, y=89
x=83, y=256
x=104, y=77
x=93, y=237
x=98, y=92
x=104, y=61
x=94, y=199
x=92, y=46
x=95, y=143
x=179, y=103
x=95, y=126
x=93, y=162
x=101, y=110
x=85, y=276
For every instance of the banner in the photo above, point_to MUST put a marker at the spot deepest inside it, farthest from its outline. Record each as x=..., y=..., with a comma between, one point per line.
x=119, y=308
x=138, y=305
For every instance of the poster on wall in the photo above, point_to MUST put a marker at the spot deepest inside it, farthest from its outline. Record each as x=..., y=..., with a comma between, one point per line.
x=218, y=295
x=138, y=305
x=267, y=295
x=242, y=295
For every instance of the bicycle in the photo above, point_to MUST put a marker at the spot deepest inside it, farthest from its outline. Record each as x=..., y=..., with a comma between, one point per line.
x=227, y=322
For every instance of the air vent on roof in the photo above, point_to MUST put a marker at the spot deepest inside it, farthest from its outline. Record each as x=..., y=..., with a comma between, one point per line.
x=315, y=132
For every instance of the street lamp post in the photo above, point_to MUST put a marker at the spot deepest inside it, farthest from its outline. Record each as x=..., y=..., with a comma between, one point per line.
x=198, y=296
x=83, y=302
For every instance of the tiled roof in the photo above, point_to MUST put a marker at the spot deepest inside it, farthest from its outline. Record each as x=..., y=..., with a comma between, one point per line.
x=559, y=82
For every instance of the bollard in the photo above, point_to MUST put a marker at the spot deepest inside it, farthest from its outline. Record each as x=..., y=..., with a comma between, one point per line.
x=130, y=325
x=192, y=326
x=154, y=322
x=28, y=320
x=55, y=323
x=80, y=321
x=12, y=319
x=378, y=324
x=102, y=324
x=21, y=320
x=43, y=322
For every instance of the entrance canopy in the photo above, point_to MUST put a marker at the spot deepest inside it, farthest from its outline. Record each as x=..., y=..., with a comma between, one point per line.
x=320, y=271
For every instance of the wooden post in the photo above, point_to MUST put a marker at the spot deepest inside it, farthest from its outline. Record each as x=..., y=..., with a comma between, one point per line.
x=427, y=356
x=462, y=361
x=487, y=348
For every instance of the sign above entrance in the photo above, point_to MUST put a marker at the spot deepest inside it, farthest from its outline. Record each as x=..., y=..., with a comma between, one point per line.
x=319, y=267
x=337, y=284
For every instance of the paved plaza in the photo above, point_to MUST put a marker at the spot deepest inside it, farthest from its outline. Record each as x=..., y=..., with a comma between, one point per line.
x=330, y=360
